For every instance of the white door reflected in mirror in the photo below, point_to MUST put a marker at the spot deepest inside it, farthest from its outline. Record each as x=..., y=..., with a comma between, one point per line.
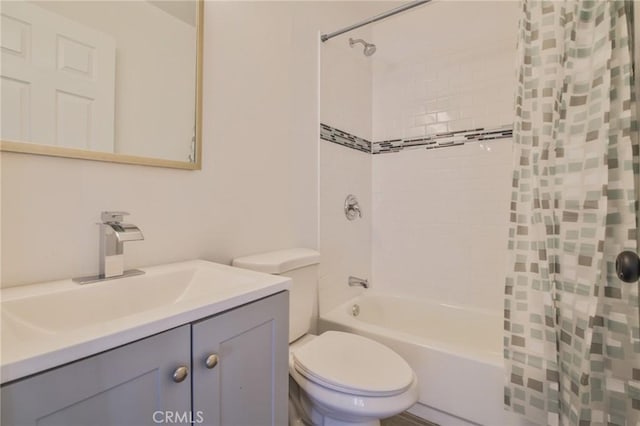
x=114, y=79
x=58, y=80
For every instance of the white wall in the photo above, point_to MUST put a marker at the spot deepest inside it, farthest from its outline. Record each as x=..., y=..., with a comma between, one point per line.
x=257, y=190
x=440, y=216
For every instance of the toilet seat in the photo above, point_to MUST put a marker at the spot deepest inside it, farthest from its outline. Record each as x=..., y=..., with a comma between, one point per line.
x=353, y=364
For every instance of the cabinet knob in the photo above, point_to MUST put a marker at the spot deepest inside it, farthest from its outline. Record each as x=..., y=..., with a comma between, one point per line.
x=180, y=374
x=211, y=361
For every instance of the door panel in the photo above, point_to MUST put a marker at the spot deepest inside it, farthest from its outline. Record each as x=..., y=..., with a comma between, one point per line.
x=249, y=384
x=124, y=386
x=59, y=61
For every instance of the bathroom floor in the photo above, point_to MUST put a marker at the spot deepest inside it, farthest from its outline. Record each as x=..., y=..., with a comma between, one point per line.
x=406, y=419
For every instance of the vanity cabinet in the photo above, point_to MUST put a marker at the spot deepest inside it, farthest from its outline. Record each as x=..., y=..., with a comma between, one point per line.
x=248, y=386
x=139, y=383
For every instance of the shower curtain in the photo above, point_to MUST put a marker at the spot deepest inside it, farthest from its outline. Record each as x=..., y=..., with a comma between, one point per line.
x=572, y=344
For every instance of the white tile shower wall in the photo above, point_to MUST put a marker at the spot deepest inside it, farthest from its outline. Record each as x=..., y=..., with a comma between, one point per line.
x=345, y=99
x=440, y=223
x=447, y=66
x=345, y=245
x=440, y=216
x=346, y=86
x=449, y=92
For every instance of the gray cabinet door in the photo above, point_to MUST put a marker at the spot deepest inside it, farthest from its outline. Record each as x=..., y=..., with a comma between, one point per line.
x=249, y=384
x=130, y=386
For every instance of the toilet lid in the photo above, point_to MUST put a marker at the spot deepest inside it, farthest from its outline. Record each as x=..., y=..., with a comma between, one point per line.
x=353, y=364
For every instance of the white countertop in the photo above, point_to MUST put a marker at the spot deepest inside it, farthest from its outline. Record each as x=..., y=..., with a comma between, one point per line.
x=49, y=324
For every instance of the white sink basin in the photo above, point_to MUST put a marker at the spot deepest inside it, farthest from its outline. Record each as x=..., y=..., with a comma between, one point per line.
x=69, y=306
x=48, y=324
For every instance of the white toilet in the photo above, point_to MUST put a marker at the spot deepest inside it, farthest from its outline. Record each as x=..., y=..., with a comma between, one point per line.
x=335, y=378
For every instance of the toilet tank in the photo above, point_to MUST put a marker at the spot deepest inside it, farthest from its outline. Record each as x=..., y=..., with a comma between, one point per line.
x=301, y=265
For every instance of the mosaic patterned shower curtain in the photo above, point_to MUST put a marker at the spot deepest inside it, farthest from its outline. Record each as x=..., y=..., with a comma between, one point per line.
x=572, y=344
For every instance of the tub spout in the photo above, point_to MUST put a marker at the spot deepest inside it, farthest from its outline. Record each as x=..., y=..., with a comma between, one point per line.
x=361, y=282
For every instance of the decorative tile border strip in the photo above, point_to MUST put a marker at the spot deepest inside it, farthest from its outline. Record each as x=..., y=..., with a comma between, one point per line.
x=443, y=140
x=334, y=135
x=440, y=140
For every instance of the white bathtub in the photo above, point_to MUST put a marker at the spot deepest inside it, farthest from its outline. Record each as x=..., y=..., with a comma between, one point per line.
x=456, y=353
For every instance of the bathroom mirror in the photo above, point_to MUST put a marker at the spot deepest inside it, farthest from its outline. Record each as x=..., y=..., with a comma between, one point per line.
x=116, y=81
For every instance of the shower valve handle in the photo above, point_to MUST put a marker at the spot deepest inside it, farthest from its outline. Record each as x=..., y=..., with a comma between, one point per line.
x=352, y=207
x=628, y=266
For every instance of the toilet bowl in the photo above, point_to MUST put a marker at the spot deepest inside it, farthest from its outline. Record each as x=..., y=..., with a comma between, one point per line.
x=335, y=378
x=346, y=379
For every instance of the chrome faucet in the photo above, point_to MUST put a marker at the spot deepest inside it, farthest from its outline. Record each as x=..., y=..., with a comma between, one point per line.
x=113, y=235
x=355, y=281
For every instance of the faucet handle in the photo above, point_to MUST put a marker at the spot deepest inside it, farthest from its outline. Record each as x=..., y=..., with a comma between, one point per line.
x=352, y=207
x=112, y=216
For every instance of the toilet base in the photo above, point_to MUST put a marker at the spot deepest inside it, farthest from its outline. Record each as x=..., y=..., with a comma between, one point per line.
x=303, y=412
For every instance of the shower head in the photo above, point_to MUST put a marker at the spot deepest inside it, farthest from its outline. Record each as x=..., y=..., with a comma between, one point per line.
x=369, y=48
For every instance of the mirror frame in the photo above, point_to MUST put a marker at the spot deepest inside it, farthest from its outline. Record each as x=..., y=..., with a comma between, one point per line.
x=57, y=151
